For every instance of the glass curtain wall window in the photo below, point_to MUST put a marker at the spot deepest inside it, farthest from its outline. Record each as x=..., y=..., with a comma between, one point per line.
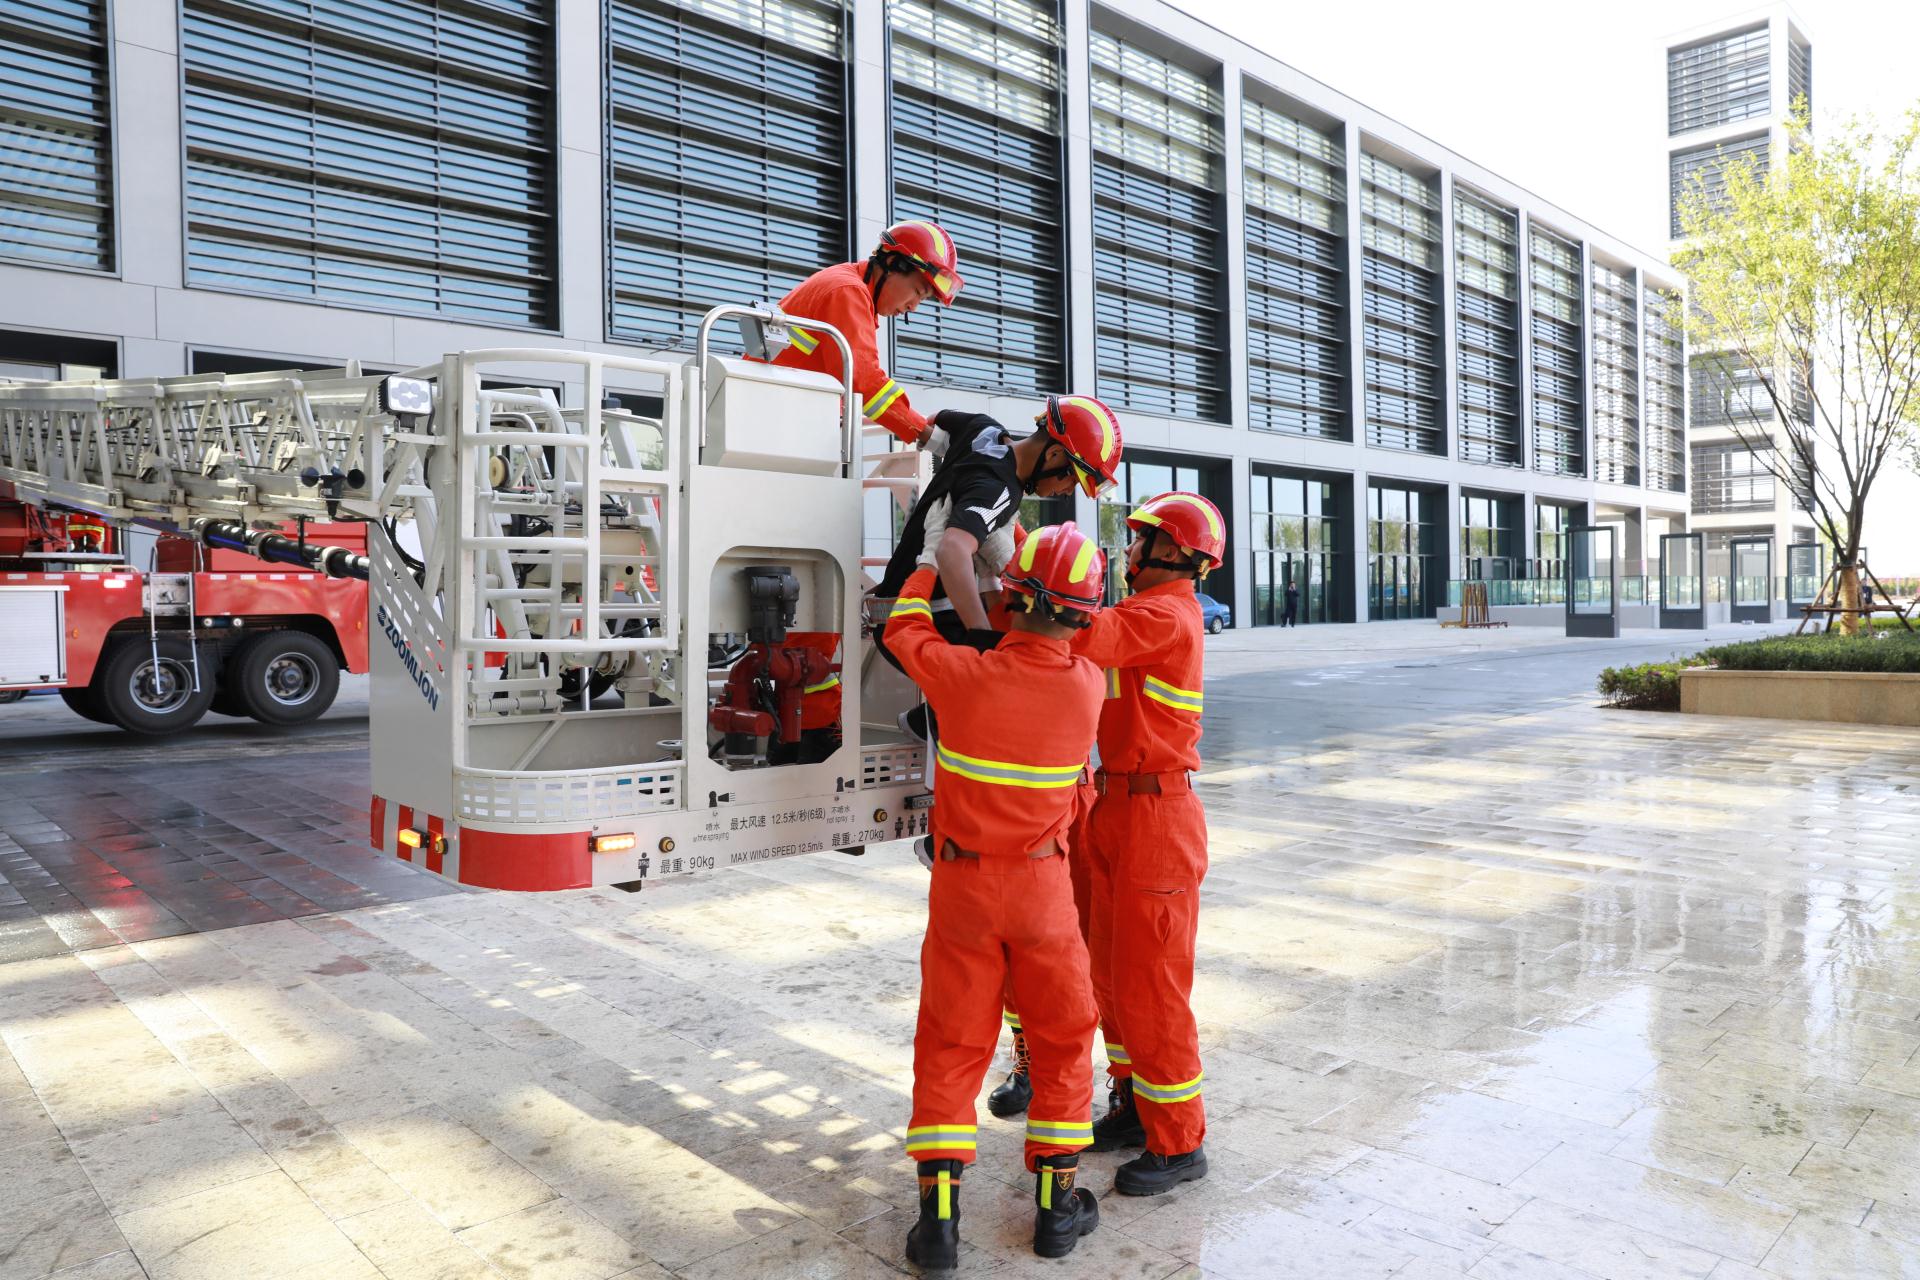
x=1666, y=396
x=1486, y=292
x=1296, y=538
x=1404, y=579
x=1799, y=74
x=1296, y=256
x=1489, y=536
x=1159, y=290
x=1616, y=377
x=977, y=148
x=56, y=200
x=1703, y=170
x=404, y=168
x=727, y=156
x=1559, y=436
x=1731, y=478
x=1718, y=81
x=1400, y=229
x=1726, y=391
x=1550, y=524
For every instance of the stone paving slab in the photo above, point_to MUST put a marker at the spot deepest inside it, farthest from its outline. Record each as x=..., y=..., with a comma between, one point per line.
x=1491, y=982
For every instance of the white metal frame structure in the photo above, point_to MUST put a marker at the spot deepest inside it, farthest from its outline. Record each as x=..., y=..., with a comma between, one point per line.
x=588, y=541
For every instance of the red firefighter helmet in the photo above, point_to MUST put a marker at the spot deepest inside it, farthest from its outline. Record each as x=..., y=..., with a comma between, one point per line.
x=1187, y=518
x=928, y=246
x=1061, y=568
x=1090, y=434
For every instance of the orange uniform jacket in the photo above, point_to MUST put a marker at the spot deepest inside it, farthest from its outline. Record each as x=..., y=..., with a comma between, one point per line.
x=842, y=298
x=1016, y=727
x=1152, y=645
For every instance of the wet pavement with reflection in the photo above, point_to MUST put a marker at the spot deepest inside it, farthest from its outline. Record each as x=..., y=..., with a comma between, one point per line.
x=1491, y=983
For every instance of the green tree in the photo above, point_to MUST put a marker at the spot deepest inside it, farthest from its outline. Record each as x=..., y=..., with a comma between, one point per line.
x=1805, y=293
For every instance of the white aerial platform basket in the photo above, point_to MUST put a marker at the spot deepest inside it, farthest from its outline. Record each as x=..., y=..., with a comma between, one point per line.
x=594, y=545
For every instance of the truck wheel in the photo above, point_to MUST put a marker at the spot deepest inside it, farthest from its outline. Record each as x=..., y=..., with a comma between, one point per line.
x=142, y=696
x=84, y=700
x=284, y=677
x=11, y=695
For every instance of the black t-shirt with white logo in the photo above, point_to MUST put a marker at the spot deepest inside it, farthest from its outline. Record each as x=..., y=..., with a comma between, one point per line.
x=981, y=477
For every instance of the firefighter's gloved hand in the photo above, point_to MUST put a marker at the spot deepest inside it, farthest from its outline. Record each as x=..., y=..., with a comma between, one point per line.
x=923, y=850
x=982, y=638
x=935, y=442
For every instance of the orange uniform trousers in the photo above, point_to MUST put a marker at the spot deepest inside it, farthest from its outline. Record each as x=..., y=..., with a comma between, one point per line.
x=1146, y=858
x=995, y=923
x=1077, y=870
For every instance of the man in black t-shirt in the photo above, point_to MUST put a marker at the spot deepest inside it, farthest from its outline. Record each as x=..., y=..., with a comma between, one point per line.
x=968, y=508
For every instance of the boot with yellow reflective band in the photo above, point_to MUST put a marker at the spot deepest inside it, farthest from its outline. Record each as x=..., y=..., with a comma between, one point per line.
x=933, y=1242
x=1064, y=1212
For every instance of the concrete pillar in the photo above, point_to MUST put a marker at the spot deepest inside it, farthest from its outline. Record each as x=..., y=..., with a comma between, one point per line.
x=581, y=191
x=868, y=186
x=146, y=143
x=1449, y=335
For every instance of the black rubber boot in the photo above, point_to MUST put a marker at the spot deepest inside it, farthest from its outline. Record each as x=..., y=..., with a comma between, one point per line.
x=1120, y=1127
x=1065, y=1212
x=1015, y=1094
x=1153, y=1174
x=934, y=1241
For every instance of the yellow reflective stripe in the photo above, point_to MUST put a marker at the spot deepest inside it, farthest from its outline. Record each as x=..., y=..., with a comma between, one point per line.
x=1185, y=1091
x=802, y=339
x=1065, y=1133
x=1113, y=682
x=1117, y=1053
x=1082, y=561
x=1005, y=773
x=883, y=398
x=823, y=686
x=1101, y=412
x=1148, y=511
x=943, y=1137
x=1011, y=1018
x=944, y=1192
x=1172, y=695
x=910, y=604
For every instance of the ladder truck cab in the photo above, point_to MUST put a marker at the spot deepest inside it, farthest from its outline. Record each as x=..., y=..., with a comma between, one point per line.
x=605, y=646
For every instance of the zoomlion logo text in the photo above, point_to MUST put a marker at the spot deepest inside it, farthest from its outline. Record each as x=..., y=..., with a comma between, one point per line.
x=412, y=664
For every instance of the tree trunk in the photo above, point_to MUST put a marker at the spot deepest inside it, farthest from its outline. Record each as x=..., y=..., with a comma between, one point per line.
x=1849, y=621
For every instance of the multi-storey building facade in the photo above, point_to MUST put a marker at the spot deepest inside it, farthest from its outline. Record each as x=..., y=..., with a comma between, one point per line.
x=1388, y=365
x=1731, y=89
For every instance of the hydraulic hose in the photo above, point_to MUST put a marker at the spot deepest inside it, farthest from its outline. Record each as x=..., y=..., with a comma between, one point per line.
x=230, y=535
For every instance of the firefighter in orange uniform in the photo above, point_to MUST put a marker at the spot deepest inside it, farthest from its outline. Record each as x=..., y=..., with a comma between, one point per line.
x=913, y=262
x=1001, y=904
x=1148, y=848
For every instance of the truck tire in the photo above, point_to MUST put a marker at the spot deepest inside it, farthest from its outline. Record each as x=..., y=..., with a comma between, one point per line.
x=84, y=700
x=142, y=698
x=283, y=677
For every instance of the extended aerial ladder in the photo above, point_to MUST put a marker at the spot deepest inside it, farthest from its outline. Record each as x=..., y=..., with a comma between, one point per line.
x=521, y=557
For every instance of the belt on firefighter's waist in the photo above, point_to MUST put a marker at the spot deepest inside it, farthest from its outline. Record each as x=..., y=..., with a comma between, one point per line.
x=1145, y=784
x=949, y=851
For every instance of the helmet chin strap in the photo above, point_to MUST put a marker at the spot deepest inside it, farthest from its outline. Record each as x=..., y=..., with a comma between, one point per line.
x=1189, y=568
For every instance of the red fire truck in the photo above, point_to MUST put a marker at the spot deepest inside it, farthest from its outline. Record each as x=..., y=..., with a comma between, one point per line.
x=154, y=647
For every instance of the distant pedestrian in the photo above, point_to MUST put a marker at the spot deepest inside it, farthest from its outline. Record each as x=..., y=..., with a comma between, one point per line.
x=1288, y=617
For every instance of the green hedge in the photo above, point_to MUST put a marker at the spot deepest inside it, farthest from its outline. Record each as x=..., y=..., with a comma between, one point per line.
x=1882, y=650
x=1651, y=686
x=1655, y=686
